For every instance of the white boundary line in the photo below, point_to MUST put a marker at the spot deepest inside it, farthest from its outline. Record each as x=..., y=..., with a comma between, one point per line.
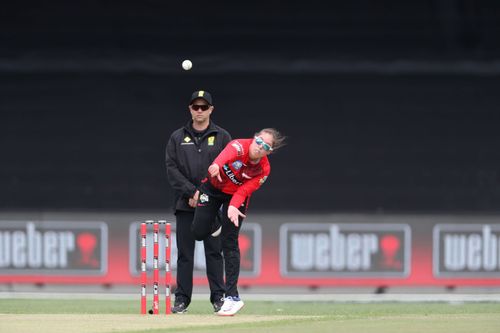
x=340, y=298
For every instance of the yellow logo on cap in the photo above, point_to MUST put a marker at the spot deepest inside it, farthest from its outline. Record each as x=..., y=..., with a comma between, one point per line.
x=201, y=93
x=187, y=139
x=211, y=140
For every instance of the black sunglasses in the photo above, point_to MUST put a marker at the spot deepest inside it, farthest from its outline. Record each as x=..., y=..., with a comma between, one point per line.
x=197, y=107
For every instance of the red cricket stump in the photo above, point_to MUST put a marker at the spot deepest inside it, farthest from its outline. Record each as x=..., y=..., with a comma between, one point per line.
x=156, y=271
x=156, y=277
x=143, y=268
x=168, y=273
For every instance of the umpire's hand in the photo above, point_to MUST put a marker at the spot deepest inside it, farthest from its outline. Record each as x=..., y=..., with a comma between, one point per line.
x=194, y=200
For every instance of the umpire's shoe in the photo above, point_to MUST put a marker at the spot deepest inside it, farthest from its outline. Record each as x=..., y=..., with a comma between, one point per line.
x=179, y=307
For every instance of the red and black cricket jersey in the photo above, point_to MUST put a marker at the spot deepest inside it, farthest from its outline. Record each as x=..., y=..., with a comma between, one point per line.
x=240, y=177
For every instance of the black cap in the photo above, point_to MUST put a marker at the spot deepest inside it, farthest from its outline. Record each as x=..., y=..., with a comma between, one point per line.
x=202, y=94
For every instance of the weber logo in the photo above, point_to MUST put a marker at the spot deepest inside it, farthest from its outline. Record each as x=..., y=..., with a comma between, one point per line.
x=250, y=242
x=326, y=250
x=466, y=250
x=53, y=248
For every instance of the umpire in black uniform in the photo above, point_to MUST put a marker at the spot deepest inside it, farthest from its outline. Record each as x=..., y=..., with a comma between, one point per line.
x=190, y=151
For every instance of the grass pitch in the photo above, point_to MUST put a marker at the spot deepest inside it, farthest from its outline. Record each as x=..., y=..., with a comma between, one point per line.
x=121, y=316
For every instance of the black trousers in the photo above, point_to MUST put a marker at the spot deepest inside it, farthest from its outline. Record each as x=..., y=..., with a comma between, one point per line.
x=185, y=260
x=206, y=210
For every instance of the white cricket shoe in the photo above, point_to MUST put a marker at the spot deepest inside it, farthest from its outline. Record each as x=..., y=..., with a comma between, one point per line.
x=232, y=304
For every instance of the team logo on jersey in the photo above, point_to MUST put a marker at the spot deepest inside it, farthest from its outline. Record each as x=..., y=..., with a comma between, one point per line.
x=203, y=198
x=187, y=141
x=238, y=147
x=262, y=180
x=237, y=165
x=211, y=140
x=230, y=174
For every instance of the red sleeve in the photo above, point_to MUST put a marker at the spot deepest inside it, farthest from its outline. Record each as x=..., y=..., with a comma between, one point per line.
x=233, y=149
x=246, y=190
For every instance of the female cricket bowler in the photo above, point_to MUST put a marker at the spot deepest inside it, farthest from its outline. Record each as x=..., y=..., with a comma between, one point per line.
x=240, y=169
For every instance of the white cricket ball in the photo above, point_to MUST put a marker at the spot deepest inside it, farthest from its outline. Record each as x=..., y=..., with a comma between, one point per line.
x=187, y=65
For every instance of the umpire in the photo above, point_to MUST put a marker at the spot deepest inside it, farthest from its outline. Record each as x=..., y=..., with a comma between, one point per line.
x=190, y=151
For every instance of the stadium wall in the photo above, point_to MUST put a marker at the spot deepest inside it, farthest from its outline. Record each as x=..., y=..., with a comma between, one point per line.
x=331, y=250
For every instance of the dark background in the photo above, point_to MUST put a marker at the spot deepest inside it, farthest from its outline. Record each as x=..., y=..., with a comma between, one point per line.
x=389, y=106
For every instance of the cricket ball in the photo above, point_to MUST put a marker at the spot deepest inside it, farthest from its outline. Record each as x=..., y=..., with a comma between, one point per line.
x=187, y=65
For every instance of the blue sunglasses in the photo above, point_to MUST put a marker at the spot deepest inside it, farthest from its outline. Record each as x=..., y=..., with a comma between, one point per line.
x=260, y=142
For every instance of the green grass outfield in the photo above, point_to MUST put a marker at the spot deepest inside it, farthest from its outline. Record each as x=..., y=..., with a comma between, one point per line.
x=24, y=315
